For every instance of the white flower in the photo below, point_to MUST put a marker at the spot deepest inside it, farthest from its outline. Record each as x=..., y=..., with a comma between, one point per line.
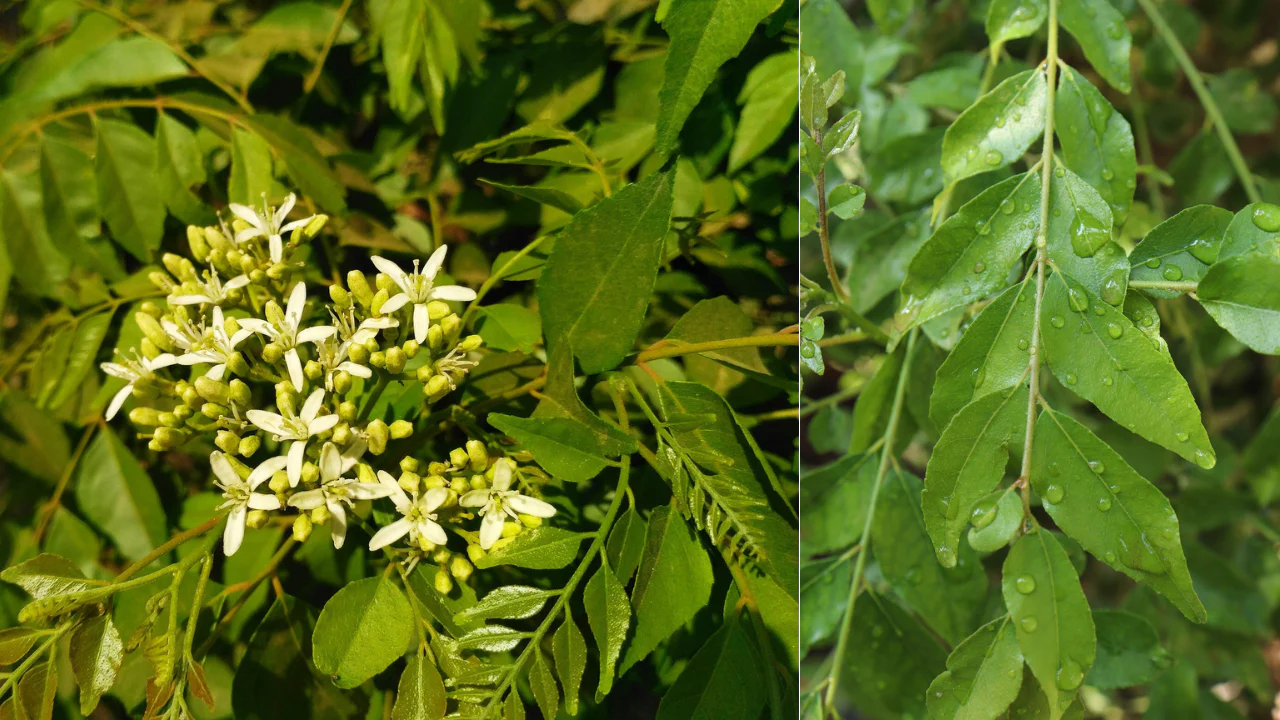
x=297, y=428
x=336, y=490
x=455, y=365
x=419, y=511
x=284, y=332
x=185, y=334
x=240, y=497
x=268, y=224
x=212, y=291
x=499, y=500
x=418, y=288
x=332, y=356
x=348, y=330
x=133, y=371
x=217, y=346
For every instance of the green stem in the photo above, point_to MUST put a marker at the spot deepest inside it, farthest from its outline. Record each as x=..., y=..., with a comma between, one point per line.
x=824, y=234
x=781, y=338
x=1206, y=98
x=497, y=276
x=1143, y=136
x=34, y=657
x=886, y=452
x=172, y=543
x=384, y=379
x=314, y=76
x=1183, y=286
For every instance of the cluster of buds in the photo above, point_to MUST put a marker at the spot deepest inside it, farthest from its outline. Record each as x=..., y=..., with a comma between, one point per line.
x=287, y=392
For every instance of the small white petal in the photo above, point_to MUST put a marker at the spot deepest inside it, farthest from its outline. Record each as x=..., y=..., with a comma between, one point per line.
x=337, y=524
x=297, y=453
x=316, y=334
x=249, y=234
x=435, y=262
x=368, y=491
x=239, y=337
x=394, y=303
x=502, y=475
x=307, y=500
x=216, y=372
x=268, y=421
x=389, y=534
x=311, y=407
x=490, y=530
x=269, y=467
x=189, y=299
x=421, y=323
x=276, y=246
x=392, y=271
x=330, y=462
x=531, y=506
x=222, y=468
x=118, y=400
x=359, y=371
x=262, y=501
x=434, y=498
x=246, y=214
x=238, y=281
x=233, y=535
x=456, y=293
x=117, y=370
x=290, y=227
x=297, y=301
x=433, y=532
x=474, y=499
x=163, y=360
x=282, y=212
x=294, y=363
x=321, y=424
x=394, y=491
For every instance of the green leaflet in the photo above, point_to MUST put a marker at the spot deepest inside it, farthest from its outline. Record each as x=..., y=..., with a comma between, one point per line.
x=824, y=592
x=570, y=652
x=402, y=36
x=70, y=199
x=890, y=659
x=704, y=35
x=250, y=169
x=983, y=676
x=509, y=327
x=971, y=254
x=560, y=400
x=96, y=653
x=829, y=36
x=46, y=575
x=721, y=681
x=1099, y=355
x=1079, y=237
x=127, y=187
x=361, y=630
x=506, y=602
x=564, y=447
x=997, y=129
x=967, y=462
x=549, y=196
x=950, y=599
x=542, y=548
x=115, y=493
x=596, y=286
x=672, y=585
x=835, y=500
x=543, y=683
x=1256, y=227
x=1051, y=614
x=906, y=169
x=871, y=413
x=625, y=546
x=718, y=319
x=306, y=166
x=1181, y=248
x=991, y=356
x=37, y=692
x=79, y=362
x=1097, y=142
x=16, y=641
x=1012, y=19
x=889, y=14
x=769, y=99
x=1142, y=313
x=179, y=166
x=27, y=243
x=1129, y=651
x=1242, y=294
x=1102, y=34
x=1112, y=511
x=439, y=65
x=609, y=615
x=1001, y=528
x=420, y=694
x=742, y=517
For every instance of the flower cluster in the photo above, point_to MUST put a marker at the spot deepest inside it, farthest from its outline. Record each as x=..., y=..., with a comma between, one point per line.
x=254, y=365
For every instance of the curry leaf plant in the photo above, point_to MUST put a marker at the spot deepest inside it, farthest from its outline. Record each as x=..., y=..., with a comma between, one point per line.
x=1038, y=505
x=409, y=359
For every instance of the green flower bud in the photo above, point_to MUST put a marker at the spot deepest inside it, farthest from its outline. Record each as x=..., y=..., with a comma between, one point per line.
x=342, y=382
x=460, y=485
x=227, y=441
x=339, y=296
x=151, y=309
x=248, y=446
x=346, y=411
x=257, y=519
x=271, y=353
x=191, y=397
x=530, y=521
x=434, y=481
x=451, y=325
x=301, y=528
x=435, y=338
x=424, y=373
x=470, y=342
x=395, y=360
x=310, y=473
x=168, y=419
x=257, y=277
x=391, y=334
x=275, y=315
x=443, y=582
x=213, y=390
x=314, y=227
x=278, y=272
x=214, y=237
x=384, y=282
x=341, y=434
x=458, y=458
x=378, y=359
x=437, y=468
x=510, y=529
x=160, y=280
x=166, y=438
x=437, y=386
x=441, y=556
x=195, y=241
x=460, y=568
x=380, y=298
x=478, y=454
x=248, y=264
x=410, y=348
x=409, y=482
x=378, y=433
x=150, y=417
x=182, y=412
x=179, y=266
x=475, y=552
x=279, y=482
x=437, y=309
x=320, y=515
x=359, y=287
x=240, y=392
x=401, y=429
x=478, y=482
x=372, y=344
x=213, y=411
x=152, y=330
x=237, y=364
x=312, y=370
x=409, y=464
x=365, y=473
x=359, y=354
x=286, y=398
x=148, y=349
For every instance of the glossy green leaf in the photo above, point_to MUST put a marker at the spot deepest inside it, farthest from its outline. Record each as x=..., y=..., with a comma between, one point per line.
x=998, y=523
x=302, y=160
x=953, y=88
x=824, y=595
x=509, y=327
x=178, y=167
x=1180, y=248
x=830, y=38
x=625, y=546
x=46, y=575
x=972, y=252
x=1112, y=511
x=1103, y=35
x=835, y=499
x=570, y=652
x=1099, y=355
x=420, y=694
x=907, y=169
x=250, y=169
x=543, y=548
x=402, y=39
x=704, y=35
x=769, y=98
x=1243, y=295
x=1051, y=615
x=86, y=342
x=96, y=652
x=15, y=642
x=509, y=602
x=846, y=200
x=115, y=493
x=543, y=683
x=27, y=243
x=1079, y=237
x=550, y=196
x=872, y=411
x=1012, y=19
x=950, y=599
x=70, y=199
x=1256, y=227
x=890, y=660
x=672, y=585
x=37, y=692
x=983, y=676
x=997, y=129
x=1097, y=142
x=609, y=615
x=596, y=286
x=722, y=680
x=966, y=464
x=491, y=639
x=560, y=400
x=362, y=629
x=564, y=447
x=1144, y=316
x=127, y=187
x=991, y=356
x=718, y=318
x=1129, y=651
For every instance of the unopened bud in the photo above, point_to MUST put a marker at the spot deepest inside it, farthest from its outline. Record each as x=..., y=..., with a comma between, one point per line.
x=314, y=227
x=451, y=325
x=152, y=330
x=301, y=528
x=257, y=519
x=437, y=309
x=410, y=348
x=384, y=282
x=530, y=521
x=378, y=434
x=240, y=392
x=478, y=482
x=409, y=464
x=310, y=473
x=460, y=485
x=320, y=515
x=365, y=473
x=214, y=237
x=342, y=382
x=347, y=411
x=168, y=438
x=437, y=468
x=237, y=364
x=458, y=458
x=478, y=454
x=470, y=342
x=213, y=390
x=475, y=552
x=213, y=411
x=434, y=481
x=359, y=354
x=341, y=434
x=460, y=568
x=378, y=359
x=271, y=353
x=312, y=370
x=359, y=287
x=181, y=412
x=179, y=266
x=278, y=272
x=435, y=338
x=438, y=385
x=257, y=276
x=248, y=446
x=409, y=482
x=401, y=429
x=443, y=582
x=510, y=529
x=279, y=482
x=227, y=441
x=339, y=296
x=191, y=397
x=395, y=359
x=150, y=417
x=379, y=299
x=424, y=373
x=196, y=241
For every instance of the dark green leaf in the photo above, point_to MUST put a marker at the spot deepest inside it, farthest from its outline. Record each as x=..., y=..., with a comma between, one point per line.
x=1243, y=295
x=96, y=653
x=27, y=244
x=251, y=173
x=1102, y=34
x=626, y=544
x=544, y=548
x=115, y=493
x=420, y=694
x=997, y=129
x=1012, y=19
x=1256, y=227
x=563, y=446
x=1180, y=248
x=124, y=166
x=1128, y=651
x=983, y=676
x=1097, y=142
x=70, y=199
x=509, y=602
x=834, y=43
x=570, y=651
x=768, y=98
x=362, y=629
x=1079, y=238
x=550, y=196
x=46, y=575
x=890, y=660
x=306, y=166
x=998, y=523
x=609, y=615
x=824, y=593
x=721, y=681
x=543, y=683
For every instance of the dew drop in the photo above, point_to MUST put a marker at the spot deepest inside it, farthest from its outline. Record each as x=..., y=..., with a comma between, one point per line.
x=1267, y=217
x=1054, y=494
x=1109, y=557
x=999, y=120
x=966, y=289
x=1172, y=273
x=979, y=376
x=1070, y=676
x=1025, y=584
x=1097, y=467
x=1104, y=504
x=947, y=556
x=1057, y=321
x=1028, y=624
x=877, y=631
x=1077, y=299
x=1070, y=378
x=1099, y=310
x=1023, y=344
x=1114, y=330
x=1153, y=263
x=1059, y=171
x=1106, y=380
x=1182, y=437
x=984, y=515
x=973, y=152
x=1113, y=289
x=1203, y=460
x=1007, y=207
x=994, y=157
x=1204, y=250
x=807, y=350
x=979, y=267
x=1130, y=183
